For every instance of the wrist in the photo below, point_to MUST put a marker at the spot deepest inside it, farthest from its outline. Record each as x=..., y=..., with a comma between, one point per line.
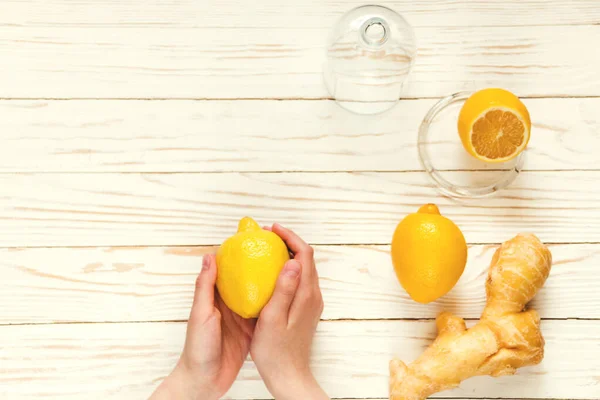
x=182, y=385
x=298, y=387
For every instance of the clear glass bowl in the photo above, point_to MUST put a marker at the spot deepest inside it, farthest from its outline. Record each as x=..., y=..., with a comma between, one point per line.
x=369, y=56
x=456, y=172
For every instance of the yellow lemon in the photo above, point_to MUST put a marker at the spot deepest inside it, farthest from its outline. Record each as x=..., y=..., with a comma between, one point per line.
x=429, y=253
x=248, y=265
x=494, y=125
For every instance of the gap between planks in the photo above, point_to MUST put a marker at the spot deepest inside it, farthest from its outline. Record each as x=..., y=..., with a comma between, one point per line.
x=223, y=172
x=436, y=398
x=183, y=321
x=277, y=28
x=548, y=243
x=288, y=98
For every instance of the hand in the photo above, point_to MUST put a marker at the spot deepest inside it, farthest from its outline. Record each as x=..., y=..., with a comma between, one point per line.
x=286, y=326
x=216, y=345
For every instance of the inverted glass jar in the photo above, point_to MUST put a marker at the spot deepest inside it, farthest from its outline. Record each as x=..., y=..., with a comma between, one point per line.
x=369, y=56
x=455, y=172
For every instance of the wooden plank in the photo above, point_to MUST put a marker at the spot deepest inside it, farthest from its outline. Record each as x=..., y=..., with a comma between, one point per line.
x=331, y=208
x=126, y=361
x=48, y=285
x=285, y=14
x=129, y=62
x=217, y=136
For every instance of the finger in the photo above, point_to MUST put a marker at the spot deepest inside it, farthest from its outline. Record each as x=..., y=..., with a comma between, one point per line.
x=293, y=241
x=278, y=306
x=204, y=295
x=232, y=321
x=270, y=229
x=308, y=296
x=302, y=252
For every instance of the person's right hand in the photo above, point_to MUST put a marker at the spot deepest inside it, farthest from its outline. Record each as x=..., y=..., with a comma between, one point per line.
x=286, y=326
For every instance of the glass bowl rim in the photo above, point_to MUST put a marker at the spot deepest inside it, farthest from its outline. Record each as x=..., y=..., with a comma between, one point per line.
x=442, y=183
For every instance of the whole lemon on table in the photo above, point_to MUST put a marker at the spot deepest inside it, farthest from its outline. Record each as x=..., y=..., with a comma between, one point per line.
x=248, y=265
x=429, y=253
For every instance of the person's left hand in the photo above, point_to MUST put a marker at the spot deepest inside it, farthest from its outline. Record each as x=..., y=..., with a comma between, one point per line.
x=216, y=345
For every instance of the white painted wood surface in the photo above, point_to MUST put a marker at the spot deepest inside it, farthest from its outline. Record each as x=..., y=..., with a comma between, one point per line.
x=131, y=62
x=153, y=127
x=50, y=285
x=325, y=208
x=217, y=136
x=288, y=14
x=350, y=358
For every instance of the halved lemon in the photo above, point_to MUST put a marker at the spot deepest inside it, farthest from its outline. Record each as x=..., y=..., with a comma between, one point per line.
x=494, y=125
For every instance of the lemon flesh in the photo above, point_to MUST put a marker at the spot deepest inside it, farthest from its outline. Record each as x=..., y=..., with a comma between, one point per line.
x=494, y=125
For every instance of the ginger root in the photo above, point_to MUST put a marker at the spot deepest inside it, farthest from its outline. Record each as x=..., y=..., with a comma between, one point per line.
x=506, y=337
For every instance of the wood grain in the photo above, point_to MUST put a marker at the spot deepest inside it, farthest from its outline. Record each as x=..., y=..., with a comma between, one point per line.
x=130, y=62
x=286, y=14
x=324, y=208
x=49, y=285
x=100, y=171
x=217, y=136
x=126, y=361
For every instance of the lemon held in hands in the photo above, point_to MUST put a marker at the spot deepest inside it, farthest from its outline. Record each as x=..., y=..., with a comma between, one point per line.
x=429, y=253
x=248, y=265
x=494, y=125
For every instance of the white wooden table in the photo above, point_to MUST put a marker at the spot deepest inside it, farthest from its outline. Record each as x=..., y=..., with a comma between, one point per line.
x=134, y=135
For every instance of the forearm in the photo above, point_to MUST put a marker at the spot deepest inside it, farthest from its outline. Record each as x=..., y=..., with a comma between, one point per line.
x=179, y=386
x=298, y=389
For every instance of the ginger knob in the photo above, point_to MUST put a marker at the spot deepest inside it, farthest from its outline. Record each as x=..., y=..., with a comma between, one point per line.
x=505, y=339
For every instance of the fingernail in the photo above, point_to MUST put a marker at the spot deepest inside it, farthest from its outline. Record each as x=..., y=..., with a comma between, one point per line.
x=205, y=263
x=291, y=269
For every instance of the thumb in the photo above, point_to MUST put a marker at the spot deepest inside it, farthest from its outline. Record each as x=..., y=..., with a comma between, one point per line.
x=204, y=294
x=285, y=290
